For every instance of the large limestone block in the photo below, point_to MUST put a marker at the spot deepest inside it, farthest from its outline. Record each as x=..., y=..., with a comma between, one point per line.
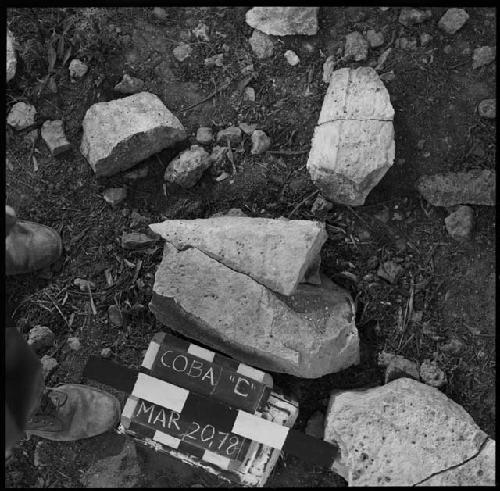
x=11, y=56
x=353, y=143
x=399, y=434
x=277, y=253
x=123, y=132
x=307, y=335
x=284, y=21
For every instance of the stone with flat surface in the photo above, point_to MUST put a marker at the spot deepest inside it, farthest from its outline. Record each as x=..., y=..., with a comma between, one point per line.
x=307, y=335
x=187, y=169
x=276, y=253
x=401, y=434
x=123, y=132
x=53, y=134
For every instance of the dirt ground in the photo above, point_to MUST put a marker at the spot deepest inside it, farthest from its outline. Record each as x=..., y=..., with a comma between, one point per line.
x=446, y=290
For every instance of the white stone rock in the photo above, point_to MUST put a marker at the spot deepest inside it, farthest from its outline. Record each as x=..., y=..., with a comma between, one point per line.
x=353, y=143
x=187, y=169
x=123, y=132
x=204, y=135
x=41, y=337
x=356, y=46
x=375, y=39
x=291, y=57
x=11, y=56
x=487, y=108
x=431, y=374
x=453, y=20
x=114, y=196
x=483, y=56
x=21, y=116
x=249, y=94
x=182, y=52
x=262, y=45
x=399, y=434
x=129, y=85
x=53, y=134
x=260, y=142
x=307, y=335
x=74, y=344
x=459, y=224
x=284, y=21
x=77, y=69
x=276, y=253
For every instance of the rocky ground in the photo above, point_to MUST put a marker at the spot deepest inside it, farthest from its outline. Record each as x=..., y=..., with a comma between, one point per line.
x=419, y=266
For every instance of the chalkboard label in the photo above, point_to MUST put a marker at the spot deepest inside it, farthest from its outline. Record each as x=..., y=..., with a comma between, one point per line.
x=197, y=433
x=194, y=373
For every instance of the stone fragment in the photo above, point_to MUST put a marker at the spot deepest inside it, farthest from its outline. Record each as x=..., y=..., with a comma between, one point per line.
x=11, y=56
x=399, y=434
x=106, y=352
x=216, y=60
x=410, y=16
x=431, y=374
x=52, y=133
x=284, y=21
x=483, y=56
x=375, y=38
x=249, y=94
x=160, y=13
x=248, y=129
x=114, y=196
x=356, y=46
x=74, y=344
x=129, y=85
x=453, y=20
x=487, y=108
x=260, y=142
x=77, y=69
x=49, y=364
x=459, y=224
x=21, y=116
x=262, y=45
x=115, y=316
x=182, y=52
x=328, y=68
x=118, y=471
x=479, y=471
x=407, y=43
x=204, y=135
x=389, y=271
x=316, y=425
x=291, y=57
x=353, y=143
x=321, y=206
x=425, y=39
x=475, y=187
x=400, y=367
x=233, y=134
x=307, y=335
x=187, y=169
x=276, y=253
x=136, y=240
x=201, y=31
x=41, y=337
x=123, y=132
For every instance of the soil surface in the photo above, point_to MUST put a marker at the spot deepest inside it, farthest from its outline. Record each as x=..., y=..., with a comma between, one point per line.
x=446, y=289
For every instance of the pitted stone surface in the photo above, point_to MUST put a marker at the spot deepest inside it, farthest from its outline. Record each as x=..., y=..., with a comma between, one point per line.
x=307, y=335
x=276, y=253
x=284, y=21
x=123, y=132
x=399, y=434
x=353, y=144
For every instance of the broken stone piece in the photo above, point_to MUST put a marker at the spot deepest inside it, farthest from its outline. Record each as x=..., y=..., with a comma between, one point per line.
x=410, y=16
x=77, y=69
x=249, y=94
x=487, y=108
x=475, y=187
x=233, y=134
x=307, y=335
x=187, y=169
x=353, y=142
x=49, y=364
x=115, y=316
x=262, y=45
x=204, y=135
x=276, y=253
x=291, y=57
x=356, y=46
x=182, y=52
x=483, y=56
x=399, y=434
x=11, y=56
x=129, y=85
x=425, y=39
x=460, y=223
x=74, y=344
x=21, y=116
x=41, y=337
x=453, y=20
x=260, y=142
x=114, y=196
x=284, y=21
x=431, y=374
x=123, y=132
x=53, y=134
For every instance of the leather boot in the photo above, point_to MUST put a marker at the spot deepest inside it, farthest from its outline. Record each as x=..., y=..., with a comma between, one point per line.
x=29, y=246
x=73, y=412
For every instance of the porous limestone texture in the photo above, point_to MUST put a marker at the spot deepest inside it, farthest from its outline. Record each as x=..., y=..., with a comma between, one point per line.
x=123, y=132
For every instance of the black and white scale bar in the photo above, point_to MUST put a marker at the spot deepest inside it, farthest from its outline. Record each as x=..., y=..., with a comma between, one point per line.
x=208, y=411
x=208, y=373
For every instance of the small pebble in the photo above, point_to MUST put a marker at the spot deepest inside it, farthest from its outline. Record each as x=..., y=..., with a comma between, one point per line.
x=431, y=374
x=233, y=134
x=291, y=57
x=114, y=196
x=21, y=116
x=249, y=94
x=425, y=39
x=483, y=56
x=106, y=352
x=260, y=142
x=74, y=344
x=182, y=52
x=204, y=135
x=460, y=223
x=77, y=69
x=488, y=108
x=453, y=20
